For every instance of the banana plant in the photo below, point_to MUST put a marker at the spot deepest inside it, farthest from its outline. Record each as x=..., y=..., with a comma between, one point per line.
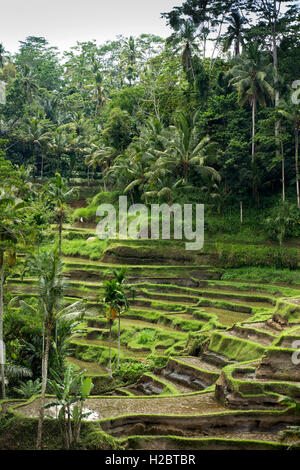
x=71, y=391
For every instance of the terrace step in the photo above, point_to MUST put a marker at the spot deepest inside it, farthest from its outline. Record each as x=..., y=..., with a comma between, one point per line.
x=200, y=363
x=251, y=334
x=236, y=297
x=187, y=374
x=216, y=359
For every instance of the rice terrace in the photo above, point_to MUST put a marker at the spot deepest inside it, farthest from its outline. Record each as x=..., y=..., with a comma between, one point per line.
x=150, y=235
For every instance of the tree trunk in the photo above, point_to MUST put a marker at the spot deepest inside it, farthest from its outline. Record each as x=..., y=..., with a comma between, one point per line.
x=297, y=164
x=59, y=234
x=283, y=172
x=110, y=369
x=275, y=65
x=237, y=47
x=119, y=341
x=253, y=128
x=1, y=323
x=42, y=167
x=44, y=386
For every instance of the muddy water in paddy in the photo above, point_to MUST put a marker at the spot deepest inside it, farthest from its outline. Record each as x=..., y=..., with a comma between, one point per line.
x=113, y=407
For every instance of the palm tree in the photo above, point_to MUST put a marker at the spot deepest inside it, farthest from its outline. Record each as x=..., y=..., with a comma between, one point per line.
x=250, y=78
x=185, y=38
x=11, y=233
x=28, y=79
x=129, y=57
x=36, y=133
x=116, y=299
x=235, y=32
x=50, y=309
x=2, y=52
x=186, y=152
x=99, y=155
x=99, y=92
x=291, y=113
x=59, y=192
x=59, y=144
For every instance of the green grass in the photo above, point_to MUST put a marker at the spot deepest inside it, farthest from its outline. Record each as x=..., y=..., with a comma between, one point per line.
x=263, y=274
x=92, y=250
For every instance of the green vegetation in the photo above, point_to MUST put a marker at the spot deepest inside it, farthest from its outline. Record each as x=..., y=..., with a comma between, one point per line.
x=136, y=343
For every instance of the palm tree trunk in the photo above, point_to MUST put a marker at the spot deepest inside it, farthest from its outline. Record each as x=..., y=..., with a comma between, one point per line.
x=44, y=386
x=119, y=341
x=253, y=128
x=110, y=369
x=283, y=172
x=297, y=163
x=42, y=166
x=59, y=235
x=1, y=324
x=275, y=65
x=255, y=195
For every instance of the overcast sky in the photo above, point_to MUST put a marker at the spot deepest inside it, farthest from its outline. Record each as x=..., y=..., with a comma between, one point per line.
x=63, y=22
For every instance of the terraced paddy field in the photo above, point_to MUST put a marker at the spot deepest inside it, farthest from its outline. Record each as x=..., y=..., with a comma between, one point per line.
x=211, y=357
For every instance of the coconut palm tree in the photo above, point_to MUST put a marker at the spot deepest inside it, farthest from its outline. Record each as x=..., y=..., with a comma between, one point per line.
x=11, y=232
x=50, y=309
x=99, y=155
x=251, y=80
x=28, y=80
x=186, y=39
x=60, y=193
x=116, y=299
x=2, y=52
x=186, y=151
x=59, y=145
x=235, y=32
x=36, y=133
x=291, y=113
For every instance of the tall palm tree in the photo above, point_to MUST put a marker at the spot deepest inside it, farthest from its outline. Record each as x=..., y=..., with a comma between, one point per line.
x=59, y=144
x=28, y=79
x=186, y=152
x=291, y=113
x=235, y=32
x=36, y=132
x=116, y=299
x=186, y=39
x=99, y=155
x=129, y=57
x=60, y=193
x=251, y=80
x=49, y=268
x=2, y=52
x=11, y=233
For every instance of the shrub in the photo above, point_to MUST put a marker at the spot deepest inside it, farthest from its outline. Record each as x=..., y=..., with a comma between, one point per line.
x=236, y=256
x=283, y=222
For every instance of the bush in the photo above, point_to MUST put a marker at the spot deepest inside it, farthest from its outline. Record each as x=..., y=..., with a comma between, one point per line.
x=129, y=371
x=236, y=256
x=92, y=250
x=88, y=214
x=283, y=222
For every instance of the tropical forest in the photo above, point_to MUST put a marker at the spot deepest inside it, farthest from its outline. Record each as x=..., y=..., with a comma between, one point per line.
x=118, y=340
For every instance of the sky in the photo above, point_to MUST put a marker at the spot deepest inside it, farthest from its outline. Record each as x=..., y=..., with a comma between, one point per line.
x=64, y=22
